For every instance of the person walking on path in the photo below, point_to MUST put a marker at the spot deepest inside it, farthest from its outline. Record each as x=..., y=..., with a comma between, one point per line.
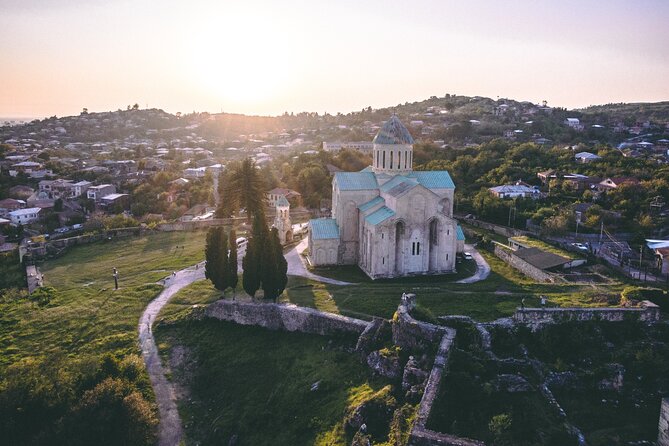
x=543, y=301
x=522, y=304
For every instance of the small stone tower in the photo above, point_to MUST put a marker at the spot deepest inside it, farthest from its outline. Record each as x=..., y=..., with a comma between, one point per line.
x=282, y=220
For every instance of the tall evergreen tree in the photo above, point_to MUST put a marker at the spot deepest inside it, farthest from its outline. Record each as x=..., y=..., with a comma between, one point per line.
x=232, y=261
x=275, y=267
x=245, y=187
x=212, y=253
x=223, y=267
x=252, y=263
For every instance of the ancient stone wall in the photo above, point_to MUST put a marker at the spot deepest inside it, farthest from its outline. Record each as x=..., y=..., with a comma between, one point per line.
x=497, y=229
x=410, y=333
x=287, y=317
x=647, y=312
x=522, y=266
x=663, y=428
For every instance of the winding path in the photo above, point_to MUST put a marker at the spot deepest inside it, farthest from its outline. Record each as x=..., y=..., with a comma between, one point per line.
x=296, y=266
x=482, y=267
x=169, y=429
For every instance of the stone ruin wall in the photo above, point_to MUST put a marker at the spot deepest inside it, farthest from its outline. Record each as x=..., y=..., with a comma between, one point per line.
x=287, y=317
x=410, y=333
x=648, y=312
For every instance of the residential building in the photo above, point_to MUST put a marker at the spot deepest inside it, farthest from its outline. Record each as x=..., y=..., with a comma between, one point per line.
x=574, y=123
x=97, y=192
x=277, y=193
x=24, y=216
x=9, y=205
x=612, y=183
x=515, y=191
x=586, y=157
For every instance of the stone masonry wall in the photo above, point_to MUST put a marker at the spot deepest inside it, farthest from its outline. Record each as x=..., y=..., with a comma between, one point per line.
x=522, y=266
x=410, y=333
x=663, y=428
x=284, y=317
x=648, y=312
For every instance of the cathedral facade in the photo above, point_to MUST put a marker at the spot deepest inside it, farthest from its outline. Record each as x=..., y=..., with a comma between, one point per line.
x=388, y=219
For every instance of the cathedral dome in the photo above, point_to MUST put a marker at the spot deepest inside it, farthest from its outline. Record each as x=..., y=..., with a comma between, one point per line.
x=393, y=132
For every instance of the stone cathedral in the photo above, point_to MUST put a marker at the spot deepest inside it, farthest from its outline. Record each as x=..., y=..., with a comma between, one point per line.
x=388, y=219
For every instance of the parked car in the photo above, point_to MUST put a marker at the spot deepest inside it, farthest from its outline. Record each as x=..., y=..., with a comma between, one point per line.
x=467, y=256
x=241, y=241
x=580, y=246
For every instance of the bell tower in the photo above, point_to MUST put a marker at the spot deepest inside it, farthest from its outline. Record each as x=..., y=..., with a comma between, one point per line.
x=282, y=220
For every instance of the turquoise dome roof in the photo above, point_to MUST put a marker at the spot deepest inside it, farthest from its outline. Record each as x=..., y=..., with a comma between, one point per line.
x=393, y=132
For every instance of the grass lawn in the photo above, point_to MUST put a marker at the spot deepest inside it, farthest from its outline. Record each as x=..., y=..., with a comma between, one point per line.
x=255, y=384
x=87, y=316
x=353, y=273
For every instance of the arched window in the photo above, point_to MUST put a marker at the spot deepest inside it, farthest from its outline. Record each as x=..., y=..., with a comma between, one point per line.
x=434, y=232
x=399, y=240
x=384, y=159
x=391, y=159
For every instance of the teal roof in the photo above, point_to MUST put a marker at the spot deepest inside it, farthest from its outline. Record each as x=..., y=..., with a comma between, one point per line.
x=371, y=203
x=380, y=215
x=356, y=180
x=324, y=228
x=395, y=181
x=393, y=132
x=460, y=233
x=433, y=179
x=282, y=201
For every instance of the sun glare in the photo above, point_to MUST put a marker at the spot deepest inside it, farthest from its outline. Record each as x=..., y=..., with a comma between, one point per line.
x=238, y=64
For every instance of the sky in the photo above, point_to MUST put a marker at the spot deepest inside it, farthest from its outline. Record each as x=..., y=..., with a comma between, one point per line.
x=267, y=57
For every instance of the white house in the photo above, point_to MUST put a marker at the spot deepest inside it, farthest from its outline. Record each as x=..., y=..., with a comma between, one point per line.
x=24, y=216
x=574, y=123
x=514, y=191
x=586, y=157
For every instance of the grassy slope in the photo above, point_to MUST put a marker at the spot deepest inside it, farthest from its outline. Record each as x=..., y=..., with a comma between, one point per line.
x=255, y=383
x=88, y=316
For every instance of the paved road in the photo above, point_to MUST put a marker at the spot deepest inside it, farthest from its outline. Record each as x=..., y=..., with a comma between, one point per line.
x=169, y=429
x=482, y=267
x=296, y=266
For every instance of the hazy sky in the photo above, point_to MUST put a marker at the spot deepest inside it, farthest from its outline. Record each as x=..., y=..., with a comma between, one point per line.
x=267, y=57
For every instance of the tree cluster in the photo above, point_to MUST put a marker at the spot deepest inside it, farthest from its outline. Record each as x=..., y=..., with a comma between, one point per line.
x=264, y=265
x=221, y=258
x=61, y=402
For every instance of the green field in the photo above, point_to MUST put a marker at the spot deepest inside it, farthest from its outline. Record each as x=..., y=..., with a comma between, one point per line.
x=255, y=384
x=86, y=315
x=497, y=296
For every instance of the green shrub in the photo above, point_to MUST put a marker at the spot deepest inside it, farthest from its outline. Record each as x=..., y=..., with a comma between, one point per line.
x=630, y=296
x=43, y=295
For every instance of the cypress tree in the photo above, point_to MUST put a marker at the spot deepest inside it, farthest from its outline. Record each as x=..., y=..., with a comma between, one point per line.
x=275, y=267
x=223, y=273
x=252, y=263
x=212, y=253
x=232, y=261
x=281, y=264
